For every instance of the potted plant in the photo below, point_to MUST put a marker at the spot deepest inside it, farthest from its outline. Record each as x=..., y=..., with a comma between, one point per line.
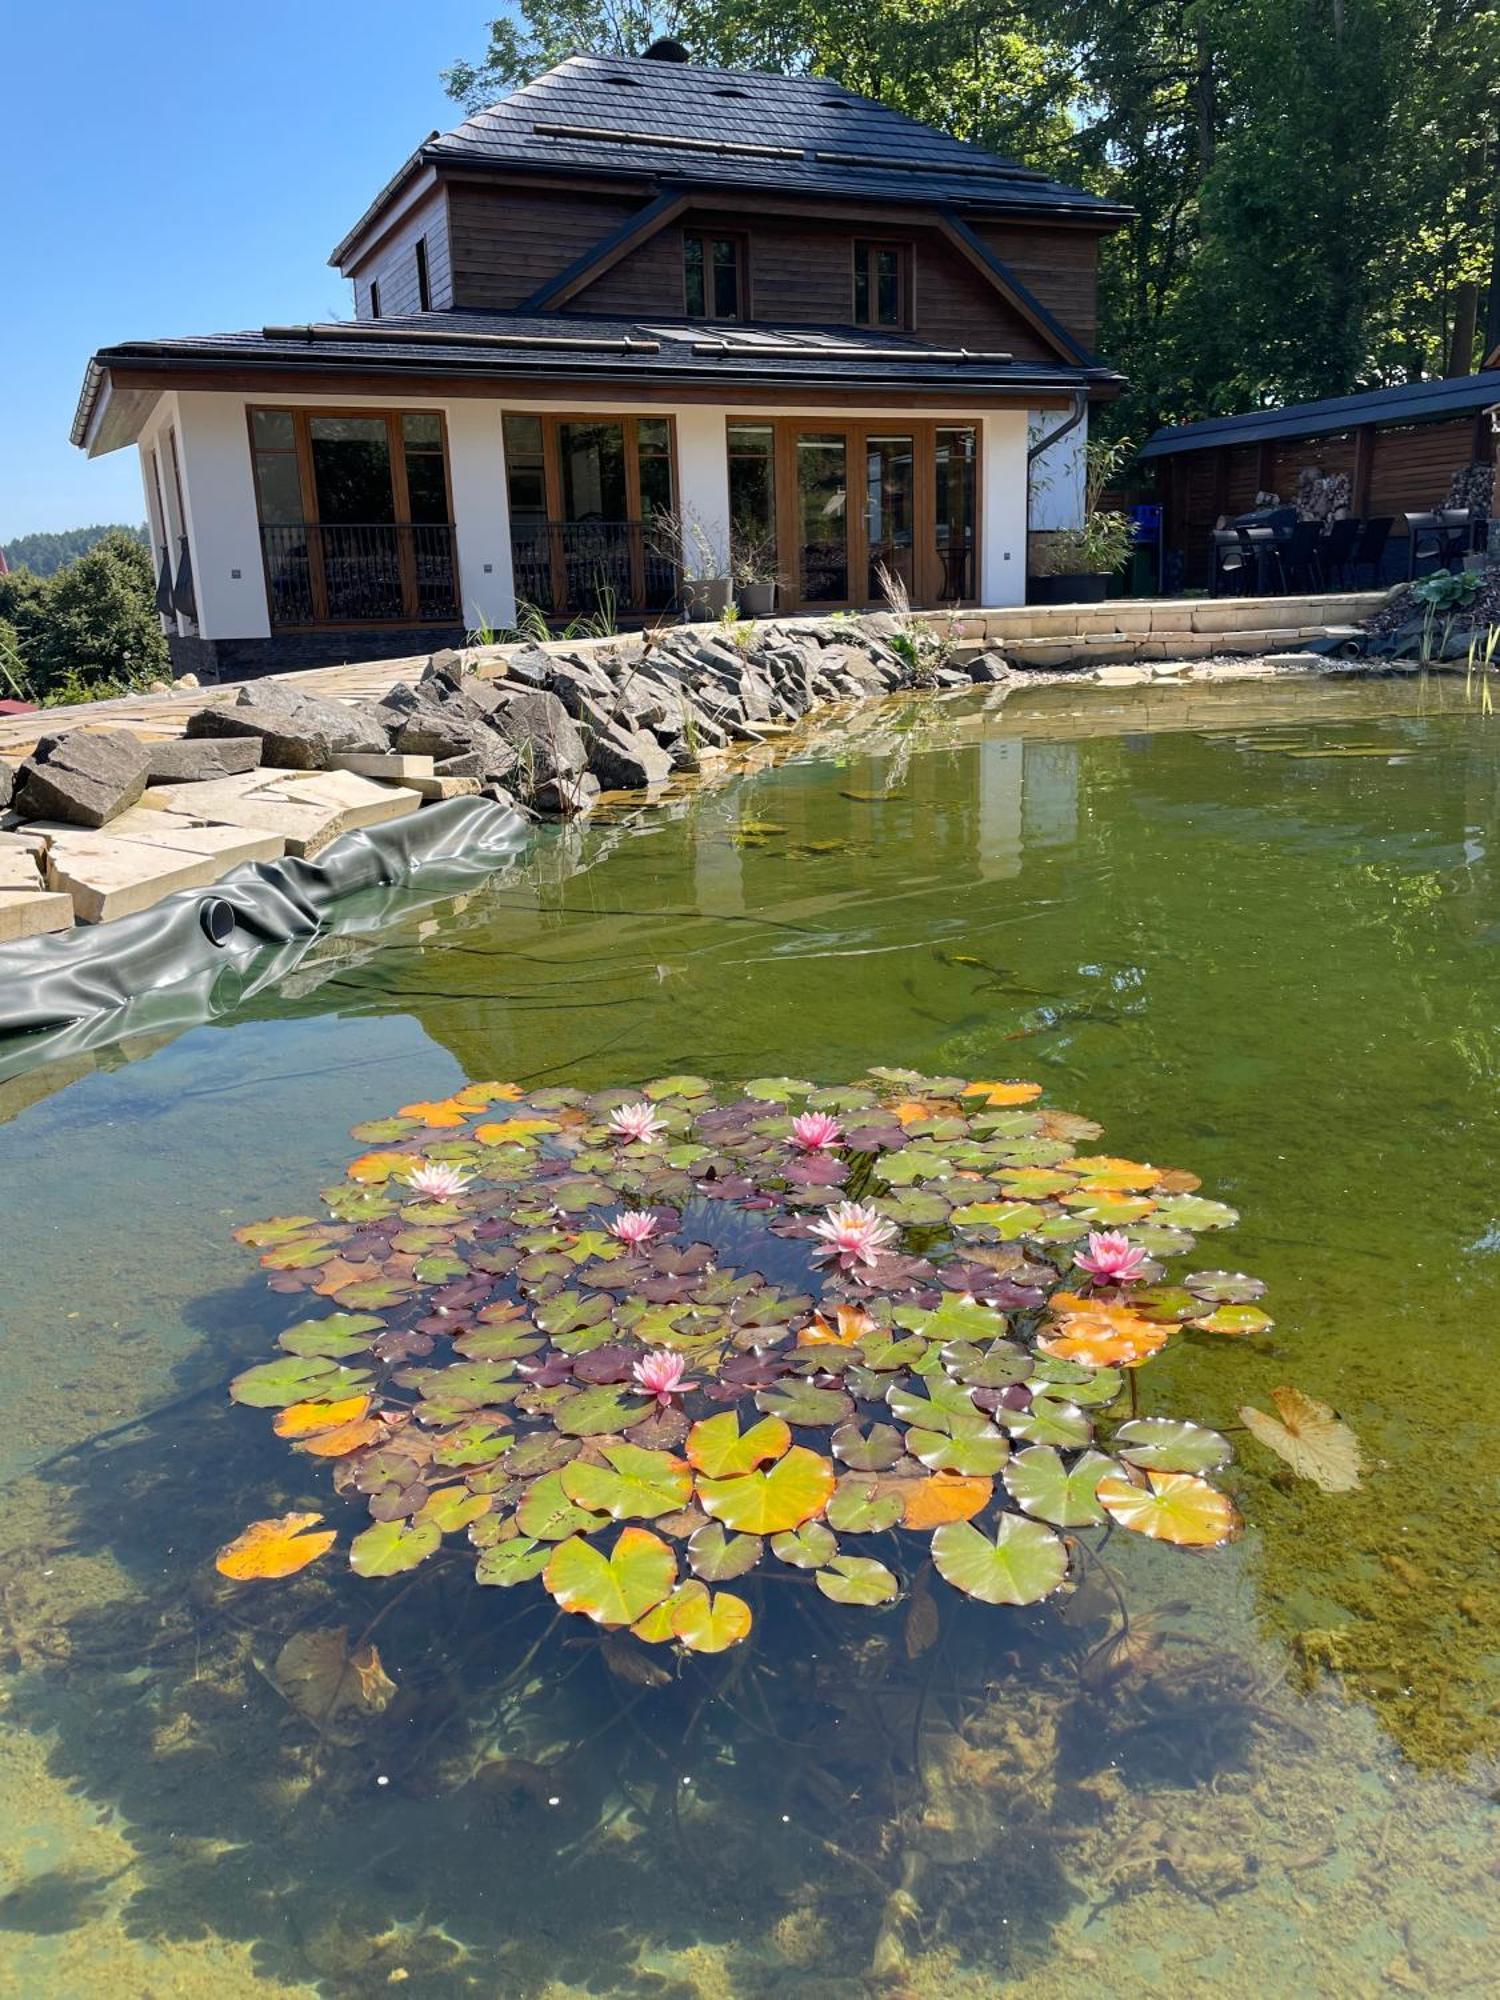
x=698, y=555
x=1074, y=565
x=753, y=569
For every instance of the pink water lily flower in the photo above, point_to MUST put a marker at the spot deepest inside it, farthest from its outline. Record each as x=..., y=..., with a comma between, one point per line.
x=439, y=1180
x=663, y=1375
x=633, y=1227
x=1111, y=1258
x=636, y=1121
x=816, y=1132
x=853, y=1233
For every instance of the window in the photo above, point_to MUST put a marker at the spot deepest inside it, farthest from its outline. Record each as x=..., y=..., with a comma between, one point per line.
x=585, y=493
x=424, y=283
x=713, y=275
x=881, y=284
x=374, y=298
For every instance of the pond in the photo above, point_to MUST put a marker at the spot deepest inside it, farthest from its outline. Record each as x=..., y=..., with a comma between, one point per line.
x=1253, y=933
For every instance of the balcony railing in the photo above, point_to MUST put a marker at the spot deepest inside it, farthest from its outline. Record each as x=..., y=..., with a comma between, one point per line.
x=363, y=574
x=582, y=568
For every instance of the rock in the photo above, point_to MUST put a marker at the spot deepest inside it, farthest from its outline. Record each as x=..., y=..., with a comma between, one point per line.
x=84, y=778
x=470, y=765
x=20, y=867
x=29, y=912
x=228, y=845
x=625, y=759
x=187, y=681
x=297, y=730
x=988, y=667
x=7, y=783
x=439, y=733
x=575, y=685
x=430, y=789
x=530, y=666
x=115, y=878
x=567, y=797
x=544, y=736
x=383, y=764
x=185, y=763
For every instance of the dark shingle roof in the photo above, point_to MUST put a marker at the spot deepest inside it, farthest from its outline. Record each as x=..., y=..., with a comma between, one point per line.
x=634, y=117
x=587, y=347
x=1404, y=403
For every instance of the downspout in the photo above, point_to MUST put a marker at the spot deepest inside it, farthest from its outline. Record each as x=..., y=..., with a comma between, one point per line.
x=1034, y=452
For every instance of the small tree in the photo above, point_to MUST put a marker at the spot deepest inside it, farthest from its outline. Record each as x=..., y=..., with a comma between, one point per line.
x=94, y=628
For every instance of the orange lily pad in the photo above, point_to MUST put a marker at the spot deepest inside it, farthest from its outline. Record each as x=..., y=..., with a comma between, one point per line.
x=1176, y=1507
x=373, y=1169
x=1004, y=1093
x=945, y=1496
x=269, y=1549
x=300, y=1420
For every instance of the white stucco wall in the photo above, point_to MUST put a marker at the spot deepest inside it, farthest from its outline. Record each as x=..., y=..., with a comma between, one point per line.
x=481, y=513
x=223, y=531
x=1057, y=474
x=703, y=486
x=1002, y=508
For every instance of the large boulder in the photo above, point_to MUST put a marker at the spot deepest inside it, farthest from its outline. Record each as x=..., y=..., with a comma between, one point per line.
x=297, y=731
x=544, y=735
x=623, y=760
x=85, y=777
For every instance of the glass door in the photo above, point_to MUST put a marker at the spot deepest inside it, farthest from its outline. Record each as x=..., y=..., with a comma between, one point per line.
x=891, y=515
x=822, y=498
x=955, y=458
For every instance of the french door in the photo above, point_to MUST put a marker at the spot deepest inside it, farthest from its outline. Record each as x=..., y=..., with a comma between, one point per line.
x=854, y=510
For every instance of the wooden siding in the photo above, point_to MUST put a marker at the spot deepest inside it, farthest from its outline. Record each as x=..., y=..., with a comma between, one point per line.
x=1060, y=267
x=394, y=264
x=803, y=274
x=508, y=241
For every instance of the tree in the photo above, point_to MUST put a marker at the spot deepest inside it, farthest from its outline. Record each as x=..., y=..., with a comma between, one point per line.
x=91, y=629
x=46, y=553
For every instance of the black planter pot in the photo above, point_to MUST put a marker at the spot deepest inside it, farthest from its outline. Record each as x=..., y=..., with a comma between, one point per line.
x=1082, y=587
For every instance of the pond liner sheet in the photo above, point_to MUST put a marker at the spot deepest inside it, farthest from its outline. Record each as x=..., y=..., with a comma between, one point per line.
x=196, y=954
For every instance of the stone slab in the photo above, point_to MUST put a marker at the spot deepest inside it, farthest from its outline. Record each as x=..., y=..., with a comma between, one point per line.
x=19, y=868
x=306, y=828
x=393, y=764
x=114, y=878
x=206, y=797
x=360, y=801
x=432, y=789
x=231, y=844
x=180, y=761
x=28, y=913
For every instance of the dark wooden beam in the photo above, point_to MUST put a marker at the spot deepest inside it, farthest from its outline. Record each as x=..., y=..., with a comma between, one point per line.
x=1003, y=279
x=1364, y=465
x=606, y=253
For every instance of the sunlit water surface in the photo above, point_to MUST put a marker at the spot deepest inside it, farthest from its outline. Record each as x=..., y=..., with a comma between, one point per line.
x=1253, y=944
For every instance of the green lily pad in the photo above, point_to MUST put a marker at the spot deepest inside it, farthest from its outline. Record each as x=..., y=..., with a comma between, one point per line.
x=1240, y=1321
x=513, y=1562
x=1005, y=1219
x=566, y=1312
x=721, y=1450
x=636, y=1485
x=453, y=1507
x=946, y=1407
x=1036, y=1183
x=1224, y=1288
x=777, y=1089
x=1167, y=1304
x=1092, y=1387
x=1191, y=1211
x=614, y=1589
x=546, y=1513
x=357, y=1204
x=1049, y=1422
x=1041, y=1484
x=499, y=1343
x=795, y=1490
x=543, y=1451
x=954, y=1319
x=1022, y=1565
x=592, y=1412
x=275, y=1385
x=865, y=1504
x=910, y=1165
x=717, y=1557
x=1170, y=1446
x=993, y=1367
x=874, y=1451
x=804, y=1403
x=858, y=1580
x=678, y=1086
x=334, y=1338
x=278, y=1229
x=976, y=1453
x=381, y=1131
x=478, y=1442
x=373, y=1293
x=807, y=1547
x=389, y=1547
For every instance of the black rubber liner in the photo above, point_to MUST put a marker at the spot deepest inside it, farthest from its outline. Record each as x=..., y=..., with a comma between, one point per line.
x=196, y=954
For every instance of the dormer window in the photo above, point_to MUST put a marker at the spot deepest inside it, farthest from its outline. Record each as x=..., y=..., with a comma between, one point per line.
x=713, y=275
x=882, y=284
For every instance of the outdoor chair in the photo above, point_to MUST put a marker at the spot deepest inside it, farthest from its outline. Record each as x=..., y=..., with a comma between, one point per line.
x=1369, y=550
x=1460, y=525
x=1297, y=557
x=1228, y=570
x=1337, y=550
x=1440, y=539
x=1258, y=547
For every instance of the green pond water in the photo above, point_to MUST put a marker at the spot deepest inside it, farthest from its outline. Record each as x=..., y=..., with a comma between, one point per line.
x=1255, y=933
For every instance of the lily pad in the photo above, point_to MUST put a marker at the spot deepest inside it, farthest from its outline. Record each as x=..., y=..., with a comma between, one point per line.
x=513, y=1562
x=548, y=1515
x=804, y=1403
x=720, y=1450
x=976, y=1453
x=592, y=1412
x=1315, y=1442
x=807, y=1547
x=1023, y=1564
x=614, y=1589
x=777, y=1089
x=796, y=1489
x=718, y=1557
x=334, y=1338
x=636, y=1484
x=1171, y=1446
x=875, y=1450
x=1049, y=1422
x=1230, y=1288
x=298, y=1379
x=866, y=1504
x=1238, y=1321
x=1191, y=1211
x=1041, y=1484
x=1174, y=1507
x=389, y=1547
x=858, y=1580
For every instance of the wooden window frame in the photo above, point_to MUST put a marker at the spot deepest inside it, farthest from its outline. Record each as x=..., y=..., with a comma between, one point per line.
x=374, y=298
x=856, y=433
x=865, y=249
x=708, y=237
x=424, y=276
x=552, y=422
x=301, y=416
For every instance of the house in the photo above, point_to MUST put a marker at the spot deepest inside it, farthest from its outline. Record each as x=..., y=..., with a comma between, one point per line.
x=637, y=320
x=1401, y=448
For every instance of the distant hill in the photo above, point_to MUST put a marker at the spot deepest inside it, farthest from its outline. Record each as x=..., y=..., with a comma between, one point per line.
x=46, y=554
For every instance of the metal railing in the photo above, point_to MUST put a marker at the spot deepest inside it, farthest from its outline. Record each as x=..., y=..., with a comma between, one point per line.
x=581, y=568
x=361, y=574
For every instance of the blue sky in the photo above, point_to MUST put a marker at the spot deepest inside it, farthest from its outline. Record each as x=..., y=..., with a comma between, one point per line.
x=182, y=166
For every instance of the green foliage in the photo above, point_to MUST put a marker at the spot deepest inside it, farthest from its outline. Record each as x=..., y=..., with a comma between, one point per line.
x=1447, y=590
x=45, y=554
x=86, y=632
x=1312, y=179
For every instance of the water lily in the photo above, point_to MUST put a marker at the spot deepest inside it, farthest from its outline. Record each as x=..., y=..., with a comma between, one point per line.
x=438, y=1180
x=1111, y=1258
x=633, y=1227
x=816, y=1132
x=854, y=1233
x=636, y=1121
x=663, y=1375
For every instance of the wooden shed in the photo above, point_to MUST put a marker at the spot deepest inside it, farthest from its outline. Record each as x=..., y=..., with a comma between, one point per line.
x=1399, y=448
